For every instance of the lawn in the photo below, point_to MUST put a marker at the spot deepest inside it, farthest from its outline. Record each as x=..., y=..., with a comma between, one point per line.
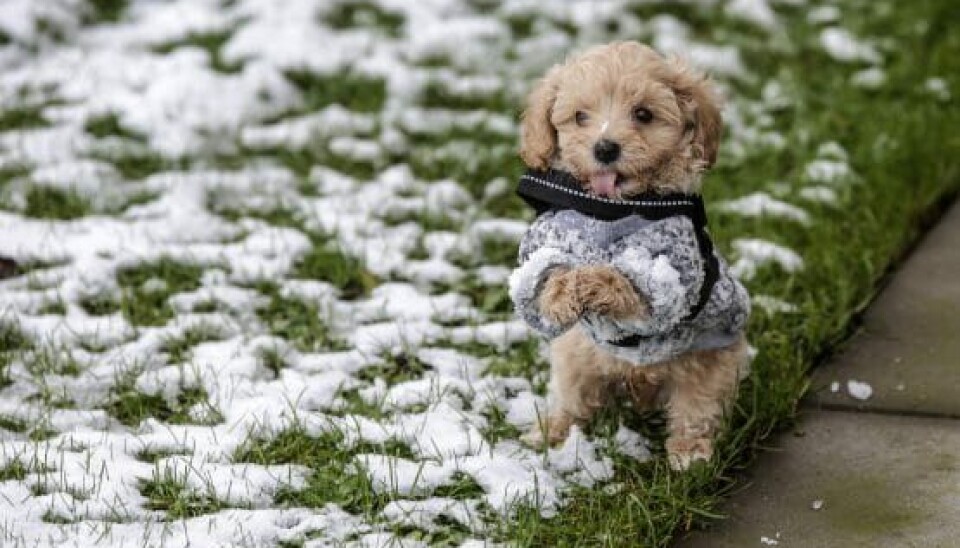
x=253, y=289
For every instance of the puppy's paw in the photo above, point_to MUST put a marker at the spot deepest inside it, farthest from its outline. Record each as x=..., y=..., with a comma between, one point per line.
x=683, y=452
x=551, y=431
x=604, y=290
x=558, y=299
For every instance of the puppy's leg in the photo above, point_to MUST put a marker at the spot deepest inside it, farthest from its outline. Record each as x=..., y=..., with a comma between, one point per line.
x=604, y=290
x=644, y=386
x=580, y=382
x=702, y=386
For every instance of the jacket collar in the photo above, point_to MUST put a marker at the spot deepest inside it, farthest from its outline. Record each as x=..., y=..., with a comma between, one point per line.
x=545, y=190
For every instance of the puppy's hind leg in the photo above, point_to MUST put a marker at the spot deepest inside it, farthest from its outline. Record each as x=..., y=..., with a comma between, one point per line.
x=702, y=387
x=579, y=386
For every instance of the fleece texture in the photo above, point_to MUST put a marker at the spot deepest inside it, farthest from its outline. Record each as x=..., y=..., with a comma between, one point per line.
x=662, y=260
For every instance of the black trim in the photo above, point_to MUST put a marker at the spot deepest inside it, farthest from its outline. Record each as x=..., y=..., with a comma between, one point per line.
x=553, y=189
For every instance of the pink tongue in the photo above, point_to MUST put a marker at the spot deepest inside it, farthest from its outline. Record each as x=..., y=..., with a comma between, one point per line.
x=604, y=182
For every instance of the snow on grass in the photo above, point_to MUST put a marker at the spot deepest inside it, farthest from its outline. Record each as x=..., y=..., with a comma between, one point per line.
x=760, y=204
x=751, y=254
x=842, y=45
x=262, y=254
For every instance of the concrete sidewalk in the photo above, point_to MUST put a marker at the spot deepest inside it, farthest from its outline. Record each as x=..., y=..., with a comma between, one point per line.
x=882, y=471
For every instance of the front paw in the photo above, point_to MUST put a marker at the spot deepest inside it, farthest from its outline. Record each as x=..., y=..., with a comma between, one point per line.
x=605, y=291
x=558, y=300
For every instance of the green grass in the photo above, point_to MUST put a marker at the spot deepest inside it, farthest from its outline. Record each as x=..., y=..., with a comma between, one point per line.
x=12, y=344
x=147, y=287
x=154, y=455
x=845, y=254
x=135, y=164
x=109, y=11
x=131, y=407
x=164, y=491
x=14, y=470
x=395, y=368
x=329, y=264
x=53, y=203
x=299, y=322
x=901, y=142
x=108, y=125
x=51, y=361
x=364, y=14
x=211, y=43
x=99, y=304
x=436, y=95
x=352, y=91
x=330, y=459
x=22, y=118
x=178, y=349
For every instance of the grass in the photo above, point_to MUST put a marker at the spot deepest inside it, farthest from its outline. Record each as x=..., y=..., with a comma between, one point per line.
x=329, y=264
x=130, y=406
x=147, y=287
x=345, y=15
x=178, y=348
x=328, y=458
x=900, y=141
x=108, y=11
x=165, y=491
x=23, y=117
x=298, y=321
x=352, y=91
x=12, y=344
x=211, y=43
x=845, y=256
x=395, y=368
x=54, y=203
x=108, y=125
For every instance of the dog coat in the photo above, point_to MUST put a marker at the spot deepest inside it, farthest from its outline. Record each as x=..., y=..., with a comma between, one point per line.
x=658, y=242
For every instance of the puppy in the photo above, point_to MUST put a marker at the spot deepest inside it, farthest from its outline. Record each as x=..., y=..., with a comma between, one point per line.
x=618, y=270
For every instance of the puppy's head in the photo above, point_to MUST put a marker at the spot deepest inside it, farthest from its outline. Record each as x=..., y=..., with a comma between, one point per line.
x=624, y=120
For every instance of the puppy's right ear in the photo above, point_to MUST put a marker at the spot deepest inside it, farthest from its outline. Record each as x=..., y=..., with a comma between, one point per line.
x=538, y=137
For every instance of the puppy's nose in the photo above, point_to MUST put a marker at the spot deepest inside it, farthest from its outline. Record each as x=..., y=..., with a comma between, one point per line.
x=606, y=151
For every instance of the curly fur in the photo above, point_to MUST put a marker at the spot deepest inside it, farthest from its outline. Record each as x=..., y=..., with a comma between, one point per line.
x=606, y=84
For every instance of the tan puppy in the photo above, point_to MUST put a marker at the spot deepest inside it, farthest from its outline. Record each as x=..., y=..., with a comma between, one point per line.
x=625, y=120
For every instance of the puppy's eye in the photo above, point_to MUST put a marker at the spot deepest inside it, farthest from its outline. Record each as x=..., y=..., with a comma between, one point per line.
x=581, y=117
x=642, y=115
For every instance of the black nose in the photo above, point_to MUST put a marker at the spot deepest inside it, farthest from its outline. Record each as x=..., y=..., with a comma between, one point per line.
x=606, y=151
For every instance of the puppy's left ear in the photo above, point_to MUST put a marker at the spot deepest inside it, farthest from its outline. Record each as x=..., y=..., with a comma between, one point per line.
x=700, y=103
x=538, y=137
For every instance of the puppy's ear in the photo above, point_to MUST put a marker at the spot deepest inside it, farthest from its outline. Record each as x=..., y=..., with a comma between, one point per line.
x=700, y=103
x=538, y=137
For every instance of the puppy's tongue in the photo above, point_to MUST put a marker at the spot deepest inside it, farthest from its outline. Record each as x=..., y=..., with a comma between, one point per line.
x=604, y=183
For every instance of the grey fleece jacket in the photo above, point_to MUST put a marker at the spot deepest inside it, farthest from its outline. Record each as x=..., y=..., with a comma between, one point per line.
x=662, y=261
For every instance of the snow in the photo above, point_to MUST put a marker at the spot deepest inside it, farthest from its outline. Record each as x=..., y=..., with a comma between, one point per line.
x=828, y=172
x=757, y=12
x=772, y=305
x=824, y=14
x=859, y=390
x=819, y=194
x=753, y=254
x=937, y=87
x=871, y=78
x=220, y=133
x=843, y=46
x=760, y=204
